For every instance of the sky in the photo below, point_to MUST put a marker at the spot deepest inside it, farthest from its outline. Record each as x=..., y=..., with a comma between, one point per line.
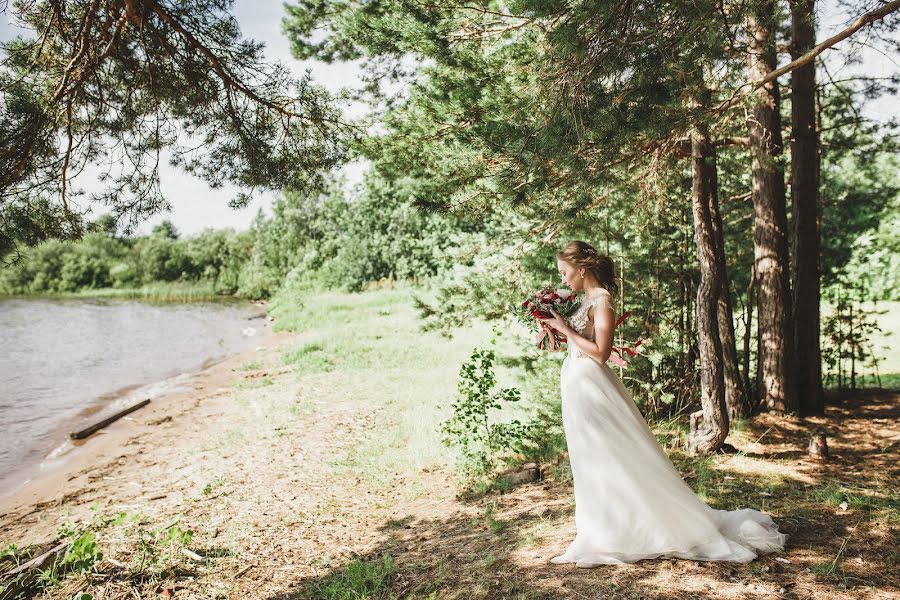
x=195, y=206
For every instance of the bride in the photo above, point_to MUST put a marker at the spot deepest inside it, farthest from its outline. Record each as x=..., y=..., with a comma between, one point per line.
x=630, y=501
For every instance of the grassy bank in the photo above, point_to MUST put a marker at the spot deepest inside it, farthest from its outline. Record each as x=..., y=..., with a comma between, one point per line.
x=372, y=344
x=176, y=291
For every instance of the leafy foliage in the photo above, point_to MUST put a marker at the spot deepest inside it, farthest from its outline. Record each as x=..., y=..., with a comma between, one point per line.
x=536, y=102
x=567, y=121
x=327, y=240
x=83, y=554
x=848, y=333
x=101, y=260
x=334, y=241
x=471, y=427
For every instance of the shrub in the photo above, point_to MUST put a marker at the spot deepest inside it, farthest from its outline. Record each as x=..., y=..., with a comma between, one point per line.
x=471, y=427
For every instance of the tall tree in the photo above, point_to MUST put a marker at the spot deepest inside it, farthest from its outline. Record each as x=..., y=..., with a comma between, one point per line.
x=712, y=366
x=553, y=109
x=775, y=381
x=549, y=108
x=735, y=393
x=805, y=213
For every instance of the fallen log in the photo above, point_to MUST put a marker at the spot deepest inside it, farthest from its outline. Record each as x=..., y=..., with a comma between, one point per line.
x=522, y=474
x=79, y=435
x=20, y=578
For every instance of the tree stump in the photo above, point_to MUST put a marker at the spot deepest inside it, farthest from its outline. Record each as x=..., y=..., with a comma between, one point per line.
x=818, y=446
x=694, y=421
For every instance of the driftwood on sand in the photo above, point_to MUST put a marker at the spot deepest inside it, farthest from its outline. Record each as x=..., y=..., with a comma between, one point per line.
x=15, y=581
x=83, y=433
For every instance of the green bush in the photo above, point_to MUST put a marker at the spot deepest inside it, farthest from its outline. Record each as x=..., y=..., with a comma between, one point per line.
x=101, y=260
x=325, y=239
x=471, y=428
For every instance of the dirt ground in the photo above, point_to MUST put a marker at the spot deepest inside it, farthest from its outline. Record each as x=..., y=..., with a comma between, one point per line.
x=265, y=471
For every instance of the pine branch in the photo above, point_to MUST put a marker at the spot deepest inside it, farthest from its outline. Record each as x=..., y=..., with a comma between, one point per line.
x=866, y=19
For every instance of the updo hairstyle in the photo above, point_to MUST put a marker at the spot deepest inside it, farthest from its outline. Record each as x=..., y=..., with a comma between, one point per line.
x=583, y=256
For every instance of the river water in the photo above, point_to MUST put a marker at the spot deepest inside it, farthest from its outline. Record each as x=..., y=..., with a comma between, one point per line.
x=68, y=363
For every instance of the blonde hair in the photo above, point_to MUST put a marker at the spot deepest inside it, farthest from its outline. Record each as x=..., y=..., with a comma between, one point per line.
x=584, y=256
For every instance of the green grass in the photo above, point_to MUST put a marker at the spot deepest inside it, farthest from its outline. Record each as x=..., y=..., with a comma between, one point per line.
x=210, y=487
x=157, y=556
x=309, y=357
x=722, y=488
x=173, y=291
x=868, y=381
x=833, y=493
x=890, y=381
x=496, y=526
x=358, y=580
x=883, y=344
x=253, y=383
x=352, y=332
x=369, y=347
x=886, y=381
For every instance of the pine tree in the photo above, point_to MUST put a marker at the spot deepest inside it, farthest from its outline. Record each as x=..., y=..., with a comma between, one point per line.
x=775, y=383
x=111, y=82
x=805, y=209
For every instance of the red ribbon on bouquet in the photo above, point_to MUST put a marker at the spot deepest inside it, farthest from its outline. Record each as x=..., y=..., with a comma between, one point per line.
x=554, y=339
x=617, y=356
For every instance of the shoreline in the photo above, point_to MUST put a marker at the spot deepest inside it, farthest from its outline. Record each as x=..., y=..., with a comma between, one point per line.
x=52, y=479
x=166, y=292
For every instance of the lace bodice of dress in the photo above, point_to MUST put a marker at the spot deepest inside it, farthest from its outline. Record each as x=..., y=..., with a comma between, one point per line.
x=580, y=318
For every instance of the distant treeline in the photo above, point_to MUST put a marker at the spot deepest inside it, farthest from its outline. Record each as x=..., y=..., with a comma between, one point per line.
x=332, y=239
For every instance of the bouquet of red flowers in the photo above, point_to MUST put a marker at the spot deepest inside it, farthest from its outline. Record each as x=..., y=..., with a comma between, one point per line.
x=538, y=305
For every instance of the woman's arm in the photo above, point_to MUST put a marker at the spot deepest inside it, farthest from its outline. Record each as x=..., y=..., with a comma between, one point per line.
x=604, y=329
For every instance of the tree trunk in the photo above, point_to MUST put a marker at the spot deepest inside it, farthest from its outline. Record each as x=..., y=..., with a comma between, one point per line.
x=851, y=343
x=735, y=395
x=804, y=204
x=711, y=435
x=776, y=386
x=748, y=335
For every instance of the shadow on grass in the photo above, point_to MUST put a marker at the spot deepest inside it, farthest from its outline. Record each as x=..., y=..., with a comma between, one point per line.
x=463, y=555
x=841, y=516
x=501, y=549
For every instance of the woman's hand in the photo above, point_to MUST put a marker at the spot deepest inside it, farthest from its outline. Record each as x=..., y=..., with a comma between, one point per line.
x=556, y=322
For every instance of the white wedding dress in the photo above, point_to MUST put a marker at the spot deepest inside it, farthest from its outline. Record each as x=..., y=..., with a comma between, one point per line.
x=630, y=501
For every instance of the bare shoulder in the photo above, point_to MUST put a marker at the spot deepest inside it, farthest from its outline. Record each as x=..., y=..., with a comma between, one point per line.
x=602, y=302
x=603, y=296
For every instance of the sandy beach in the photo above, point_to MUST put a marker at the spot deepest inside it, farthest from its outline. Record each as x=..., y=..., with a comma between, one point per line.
x=266, y=461
x=75, y=475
